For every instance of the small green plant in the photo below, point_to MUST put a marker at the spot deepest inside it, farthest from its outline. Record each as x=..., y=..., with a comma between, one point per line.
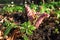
x=27, y=29
x=8, y=26
x=10, y=8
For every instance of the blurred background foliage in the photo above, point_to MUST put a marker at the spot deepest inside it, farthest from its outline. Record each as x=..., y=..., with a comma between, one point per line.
x=29, y=1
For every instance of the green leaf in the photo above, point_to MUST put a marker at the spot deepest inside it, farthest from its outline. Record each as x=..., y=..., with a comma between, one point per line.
x=8, y=26
x=32, y=28
x=58, y=13
x=25, y=37
x=29, y=32
x=7, y=30
x=25, y=25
